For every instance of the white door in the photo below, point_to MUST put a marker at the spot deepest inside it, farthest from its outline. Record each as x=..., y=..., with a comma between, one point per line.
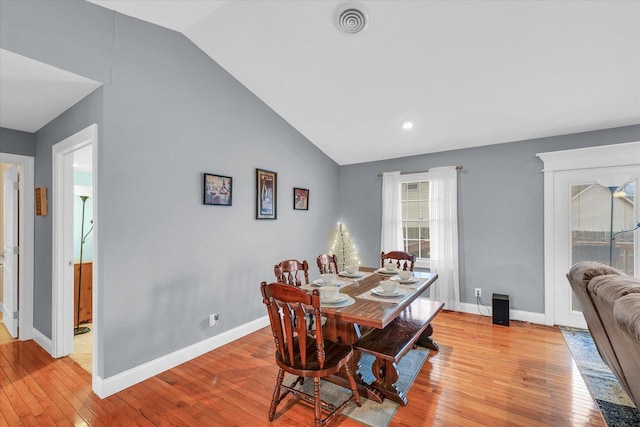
x=10, y=251
x=586, y=216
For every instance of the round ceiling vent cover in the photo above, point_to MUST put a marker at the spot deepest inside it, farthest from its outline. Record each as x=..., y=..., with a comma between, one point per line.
x=352, y=20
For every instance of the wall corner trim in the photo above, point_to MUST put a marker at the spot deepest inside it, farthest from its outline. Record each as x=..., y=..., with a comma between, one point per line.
x=43, y=341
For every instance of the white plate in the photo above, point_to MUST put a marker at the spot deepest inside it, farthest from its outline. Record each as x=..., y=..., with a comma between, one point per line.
x=385, y=271
x=346, y=303
x=319, y=282
x=345, y=274
x=382, y=293
x=336, y=300
x=404, y=282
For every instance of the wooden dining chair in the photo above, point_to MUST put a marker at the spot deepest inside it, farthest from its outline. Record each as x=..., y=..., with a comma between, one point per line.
x=327, y=263
x=404, y=260
x=290, y=271
x=303, y=352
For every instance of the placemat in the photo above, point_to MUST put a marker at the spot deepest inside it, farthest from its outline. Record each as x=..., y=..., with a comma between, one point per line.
x=394, y=300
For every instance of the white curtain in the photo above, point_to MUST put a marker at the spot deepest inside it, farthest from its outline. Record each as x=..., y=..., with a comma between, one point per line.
x=391, y=234
x=443, y=227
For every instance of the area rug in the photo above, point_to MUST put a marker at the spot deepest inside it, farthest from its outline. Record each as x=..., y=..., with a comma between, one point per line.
x=614, y=403
x=371, y=413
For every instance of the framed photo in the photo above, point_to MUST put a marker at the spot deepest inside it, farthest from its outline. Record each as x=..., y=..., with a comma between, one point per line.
x=217, y=190
x=300, y=199
x=266, y=194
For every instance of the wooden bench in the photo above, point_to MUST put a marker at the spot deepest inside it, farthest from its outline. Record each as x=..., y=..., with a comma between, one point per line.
x=390, y=344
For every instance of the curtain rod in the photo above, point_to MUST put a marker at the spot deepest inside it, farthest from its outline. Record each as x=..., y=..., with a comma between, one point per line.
x=458, y=168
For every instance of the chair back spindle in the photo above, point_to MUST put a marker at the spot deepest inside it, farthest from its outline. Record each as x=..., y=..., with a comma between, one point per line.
x=403, y=260
x=288, y=309
x=327, y=263
x=291, y=271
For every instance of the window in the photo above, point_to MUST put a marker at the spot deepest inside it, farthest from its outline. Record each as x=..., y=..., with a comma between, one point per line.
x=414, y=198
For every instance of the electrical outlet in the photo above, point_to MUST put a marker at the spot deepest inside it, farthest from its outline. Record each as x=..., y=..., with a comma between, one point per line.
x=213, y=320
x=479, y=292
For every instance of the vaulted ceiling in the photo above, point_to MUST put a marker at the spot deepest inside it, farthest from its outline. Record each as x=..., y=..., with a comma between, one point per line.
x=467, y=73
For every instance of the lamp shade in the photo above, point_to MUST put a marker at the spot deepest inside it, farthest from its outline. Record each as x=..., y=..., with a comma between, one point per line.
x=83, y=190
x=613, y=180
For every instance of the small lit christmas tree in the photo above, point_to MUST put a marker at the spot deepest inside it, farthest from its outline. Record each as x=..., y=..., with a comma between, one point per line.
x=343, y=247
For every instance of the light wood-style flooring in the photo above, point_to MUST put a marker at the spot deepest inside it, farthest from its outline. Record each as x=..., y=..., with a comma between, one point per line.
x=484, y=375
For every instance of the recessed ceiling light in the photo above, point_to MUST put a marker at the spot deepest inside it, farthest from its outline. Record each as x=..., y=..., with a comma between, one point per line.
x=407, y=124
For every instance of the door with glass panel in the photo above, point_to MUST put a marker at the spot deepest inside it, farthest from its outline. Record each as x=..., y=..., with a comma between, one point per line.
x=595, y=219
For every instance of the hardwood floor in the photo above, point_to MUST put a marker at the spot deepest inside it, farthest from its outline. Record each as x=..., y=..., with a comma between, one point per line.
x=522, y=375
x=4, y=333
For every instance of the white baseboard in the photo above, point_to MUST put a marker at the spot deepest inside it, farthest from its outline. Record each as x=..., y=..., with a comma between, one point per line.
x=43, y=341
x=106, y=387
x=484, y=310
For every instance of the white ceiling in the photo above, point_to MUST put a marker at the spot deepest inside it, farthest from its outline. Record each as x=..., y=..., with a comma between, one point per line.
x=32, y=93
x=469, y=73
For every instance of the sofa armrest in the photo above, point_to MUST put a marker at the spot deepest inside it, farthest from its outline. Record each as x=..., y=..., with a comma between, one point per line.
x=626, y=311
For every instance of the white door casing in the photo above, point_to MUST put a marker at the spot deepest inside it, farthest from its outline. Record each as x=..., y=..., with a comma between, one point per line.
x=10, y=251
x=561, y=168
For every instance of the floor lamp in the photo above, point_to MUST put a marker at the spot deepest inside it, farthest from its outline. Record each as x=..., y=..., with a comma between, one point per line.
x=78, y=330
x=614, y=184
x=612, y=190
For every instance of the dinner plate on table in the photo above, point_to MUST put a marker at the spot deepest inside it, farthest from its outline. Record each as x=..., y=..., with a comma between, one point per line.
x=387, y=272
x=385, y=294
x=320, y=283
x=350, y=275
x=404, y=282
x=337, y=300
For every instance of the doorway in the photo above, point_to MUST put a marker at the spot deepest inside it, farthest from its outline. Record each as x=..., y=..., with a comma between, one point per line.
x=83, y=244
x=590, y=210
x=70, y=194
x=19, y=284
x=8, y=252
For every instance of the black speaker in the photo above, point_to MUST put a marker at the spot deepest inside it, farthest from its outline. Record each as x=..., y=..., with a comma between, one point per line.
x=501, y=309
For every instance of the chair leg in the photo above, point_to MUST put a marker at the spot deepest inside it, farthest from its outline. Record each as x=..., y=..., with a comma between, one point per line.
x=317, y=407
x=276, y=395
x=352, y=383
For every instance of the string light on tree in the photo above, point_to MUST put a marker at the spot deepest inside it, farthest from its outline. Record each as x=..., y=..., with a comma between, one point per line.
x=344, y=248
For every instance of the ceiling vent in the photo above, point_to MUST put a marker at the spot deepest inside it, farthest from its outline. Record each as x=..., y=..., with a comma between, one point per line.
x=351, y=20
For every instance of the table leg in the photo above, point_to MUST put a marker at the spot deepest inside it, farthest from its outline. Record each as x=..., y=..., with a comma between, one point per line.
x=349, y=333
x=386, y=373
x=426, y=341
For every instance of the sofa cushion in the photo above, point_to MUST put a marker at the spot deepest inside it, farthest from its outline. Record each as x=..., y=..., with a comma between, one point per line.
x=583, y=272
x=611, y=287
x=626, y=311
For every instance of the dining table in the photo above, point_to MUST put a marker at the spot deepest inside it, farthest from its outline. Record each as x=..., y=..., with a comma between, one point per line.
x=364, y=309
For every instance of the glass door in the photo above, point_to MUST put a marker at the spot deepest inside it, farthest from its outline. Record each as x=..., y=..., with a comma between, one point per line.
x=596, y=223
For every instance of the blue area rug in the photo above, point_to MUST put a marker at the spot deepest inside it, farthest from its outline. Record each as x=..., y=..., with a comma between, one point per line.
x=372, y=414
x=614, y=403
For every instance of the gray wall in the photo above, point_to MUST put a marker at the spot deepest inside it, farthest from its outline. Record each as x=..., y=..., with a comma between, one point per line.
x=500, y=211
x=166, y=114
x=17, y=142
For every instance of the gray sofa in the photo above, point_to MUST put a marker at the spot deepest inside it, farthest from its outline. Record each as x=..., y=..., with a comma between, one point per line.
x=611, y=306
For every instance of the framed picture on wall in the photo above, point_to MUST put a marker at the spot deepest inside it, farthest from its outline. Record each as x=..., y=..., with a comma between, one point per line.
x=300, y=199
x=266, y=194
x=217, y=190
